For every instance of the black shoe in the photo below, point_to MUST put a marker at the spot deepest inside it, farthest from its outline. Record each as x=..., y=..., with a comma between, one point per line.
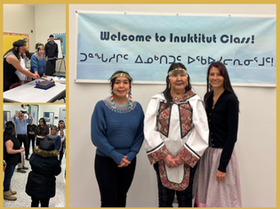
x=25, y=168
x=26, y=158
x=20, y=170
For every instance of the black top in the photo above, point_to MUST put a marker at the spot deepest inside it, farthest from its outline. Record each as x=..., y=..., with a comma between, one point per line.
x=51, y=50
x=45, y=166
x=223, y=125
x=31, y=128
x=9, y=70
x=12, y=159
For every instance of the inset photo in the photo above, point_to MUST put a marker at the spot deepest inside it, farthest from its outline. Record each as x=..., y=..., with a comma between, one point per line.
x=34, y=50
x=34, y=160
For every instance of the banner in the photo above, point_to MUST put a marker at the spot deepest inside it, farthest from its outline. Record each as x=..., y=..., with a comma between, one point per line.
x=146, y=45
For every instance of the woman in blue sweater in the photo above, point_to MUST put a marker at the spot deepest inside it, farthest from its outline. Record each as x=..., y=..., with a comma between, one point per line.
x=38, y=61
x=117, y=132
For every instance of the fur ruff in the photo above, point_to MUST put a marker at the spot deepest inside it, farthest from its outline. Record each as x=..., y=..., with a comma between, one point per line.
x=44, y=153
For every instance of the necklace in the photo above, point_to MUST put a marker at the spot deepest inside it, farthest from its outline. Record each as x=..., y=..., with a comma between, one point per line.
x=176, y=98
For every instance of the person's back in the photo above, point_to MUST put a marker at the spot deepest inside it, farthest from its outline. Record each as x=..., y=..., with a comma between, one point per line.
x=41, y=180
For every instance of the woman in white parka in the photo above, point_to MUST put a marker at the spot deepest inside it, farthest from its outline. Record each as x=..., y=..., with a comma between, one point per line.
x=176, y=136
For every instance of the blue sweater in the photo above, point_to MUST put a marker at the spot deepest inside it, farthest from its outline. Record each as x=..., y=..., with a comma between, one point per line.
x=38, y=65
x=57, y=141
x=117, y=132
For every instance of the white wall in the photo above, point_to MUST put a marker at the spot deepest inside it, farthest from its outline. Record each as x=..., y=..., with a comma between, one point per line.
x=50, y=18
x=43, y=19
x=24, y=24
x=256, y=146
x=50, y=108
x=42, y=108
x=12, y=108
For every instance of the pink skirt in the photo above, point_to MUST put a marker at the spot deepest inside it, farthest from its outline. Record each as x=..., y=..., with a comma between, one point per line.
x=207, y=191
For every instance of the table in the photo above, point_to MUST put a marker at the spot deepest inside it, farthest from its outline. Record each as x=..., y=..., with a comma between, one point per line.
x=27, y=93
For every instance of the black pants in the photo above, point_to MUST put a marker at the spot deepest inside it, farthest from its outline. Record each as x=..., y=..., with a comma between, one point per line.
x=53, y=63
x=61, y=152
x=166, y=196
x=44, y=202
x=24, y=139
x=114, y=182
x=31, y=139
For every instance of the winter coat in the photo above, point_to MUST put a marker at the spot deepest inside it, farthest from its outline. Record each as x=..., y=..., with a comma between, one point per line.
x=45, y=166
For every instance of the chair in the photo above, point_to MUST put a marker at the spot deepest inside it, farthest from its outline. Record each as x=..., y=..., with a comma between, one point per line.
x=14, y=85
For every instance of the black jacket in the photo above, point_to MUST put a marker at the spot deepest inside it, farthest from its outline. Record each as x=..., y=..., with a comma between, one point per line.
x=45, y=166
x=51, y=50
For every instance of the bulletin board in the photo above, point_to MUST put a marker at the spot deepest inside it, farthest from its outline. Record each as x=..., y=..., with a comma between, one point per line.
x=62, y=38
x=10, y=38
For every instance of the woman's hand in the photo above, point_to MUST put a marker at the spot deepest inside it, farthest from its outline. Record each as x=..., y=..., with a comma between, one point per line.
x=179, y=160
x=124, y=162
x=220, y=176
x=170, y=161
x=21, y=149
x=44, y=75
x=35, y=76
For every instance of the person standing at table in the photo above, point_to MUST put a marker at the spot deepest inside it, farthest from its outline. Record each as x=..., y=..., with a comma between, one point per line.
x=176, y=136
x=21, y=130
x=51, y=51
x=117, y=132
x=41, y=131
x=31, y=127
x=217, y=177
x=24, y=56
x=11, y=65
x=38, y=61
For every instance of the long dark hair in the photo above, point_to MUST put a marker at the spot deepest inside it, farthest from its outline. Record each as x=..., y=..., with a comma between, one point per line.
x=43, y=120
x=223, y=71
x=61, y=121
x=166, y=91
x=15, y=49
x=113, y=80
x=9, y=128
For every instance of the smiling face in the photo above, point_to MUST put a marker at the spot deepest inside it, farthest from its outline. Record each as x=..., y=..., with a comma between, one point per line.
x=216, y=79
x=41, y=51
x=121, y=87
x=21, y=49
x=178, y=81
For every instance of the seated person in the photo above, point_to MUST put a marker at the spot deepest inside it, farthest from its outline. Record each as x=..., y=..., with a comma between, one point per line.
x=38, y=61
x=56, y=138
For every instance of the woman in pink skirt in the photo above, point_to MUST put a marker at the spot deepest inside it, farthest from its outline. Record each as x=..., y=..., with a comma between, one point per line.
x=217, y=181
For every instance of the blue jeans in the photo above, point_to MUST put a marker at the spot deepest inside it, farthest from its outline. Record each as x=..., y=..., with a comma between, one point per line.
x=8, y=177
